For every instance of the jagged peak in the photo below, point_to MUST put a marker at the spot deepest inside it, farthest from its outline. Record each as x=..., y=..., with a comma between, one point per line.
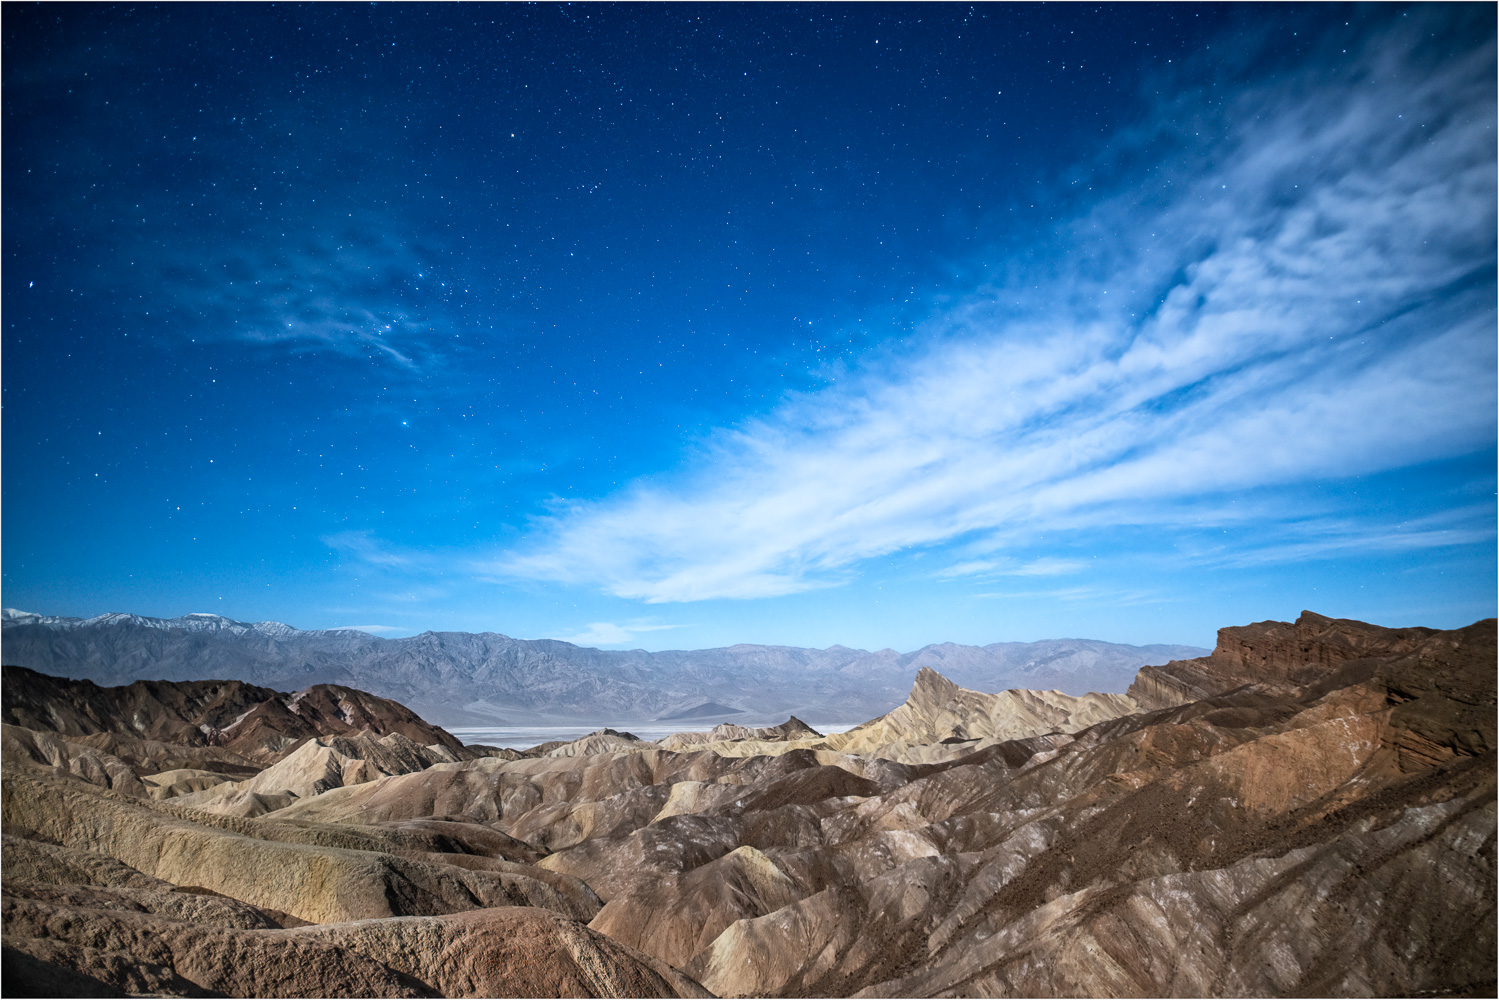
x=795, y=725
x=932, y=685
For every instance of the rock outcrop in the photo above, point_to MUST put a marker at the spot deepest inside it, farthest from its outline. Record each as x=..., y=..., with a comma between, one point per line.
x=1274, y=656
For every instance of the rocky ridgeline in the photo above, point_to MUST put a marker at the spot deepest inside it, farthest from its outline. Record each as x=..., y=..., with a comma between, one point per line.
x=1275, y=656
x=258, y=724
x=1308, y=810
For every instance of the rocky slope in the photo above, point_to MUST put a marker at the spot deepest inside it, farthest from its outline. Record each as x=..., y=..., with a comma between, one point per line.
x=1308, y=811
x=508, y=681
x=256, y=723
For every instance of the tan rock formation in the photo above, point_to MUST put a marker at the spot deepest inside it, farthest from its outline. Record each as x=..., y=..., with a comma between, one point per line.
x=66, y=757
x=514, y=952
x=938, y=722
x=41, y=863
x=182, y=781
x=312, y=768
x=602, y=741
x=312, y=882
x=938, y=711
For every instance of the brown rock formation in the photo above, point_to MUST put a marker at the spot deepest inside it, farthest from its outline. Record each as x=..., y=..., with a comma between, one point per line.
x=1276, y=656
x=257, y=723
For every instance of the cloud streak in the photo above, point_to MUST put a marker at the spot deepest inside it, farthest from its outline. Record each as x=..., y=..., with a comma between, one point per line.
x=611, y=634
x=349, y=290
x=1322, y=537
x=376, y=630
x=1307, y=294
x=366, y=548
x=988, y=568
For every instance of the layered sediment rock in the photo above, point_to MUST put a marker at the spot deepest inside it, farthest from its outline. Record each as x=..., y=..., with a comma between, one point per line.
x=1274, y=656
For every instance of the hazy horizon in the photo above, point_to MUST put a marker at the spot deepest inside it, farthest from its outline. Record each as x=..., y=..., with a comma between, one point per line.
x=381, y=632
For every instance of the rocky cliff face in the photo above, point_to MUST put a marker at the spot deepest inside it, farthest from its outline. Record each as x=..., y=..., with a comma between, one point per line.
x=1322, y=821
x=1273, y=656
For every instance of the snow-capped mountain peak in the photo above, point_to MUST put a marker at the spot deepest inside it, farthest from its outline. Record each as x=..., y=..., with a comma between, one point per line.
x=198, y=621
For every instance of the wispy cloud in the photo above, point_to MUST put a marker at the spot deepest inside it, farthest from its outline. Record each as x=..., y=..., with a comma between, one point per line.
x=365, y=547
x=611, y=634
x=343, y=288
x=983, y=568
x=1113, y=596
x=1321, y=538
x=1306, y=296
x=372, y=629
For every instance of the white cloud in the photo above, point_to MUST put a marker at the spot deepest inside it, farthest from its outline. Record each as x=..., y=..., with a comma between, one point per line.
x=372, y=629
x=365, y=547
x=1113, y=596
x=355, y=291
x=1309, y=296
x=1045, y=566
x=1322, y=537
x=611, y=634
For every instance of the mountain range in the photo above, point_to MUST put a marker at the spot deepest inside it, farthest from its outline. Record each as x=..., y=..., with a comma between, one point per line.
x=506, y=681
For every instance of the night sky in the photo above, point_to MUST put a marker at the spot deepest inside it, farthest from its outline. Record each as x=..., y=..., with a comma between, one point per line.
x=677, y=326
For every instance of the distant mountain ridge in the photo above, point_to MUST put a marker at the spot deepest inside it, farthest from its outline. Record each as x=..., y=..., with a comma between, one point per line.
x=465, y=678
x=197, y=621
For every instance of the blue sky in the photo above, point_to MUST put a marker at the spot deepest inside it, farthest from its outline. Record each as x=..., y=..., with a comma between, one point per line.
x=680, y=326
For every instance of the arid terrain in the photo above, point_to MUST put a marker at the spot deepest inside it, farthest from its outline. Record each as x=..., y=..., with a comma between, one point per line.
x=1310, y=810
